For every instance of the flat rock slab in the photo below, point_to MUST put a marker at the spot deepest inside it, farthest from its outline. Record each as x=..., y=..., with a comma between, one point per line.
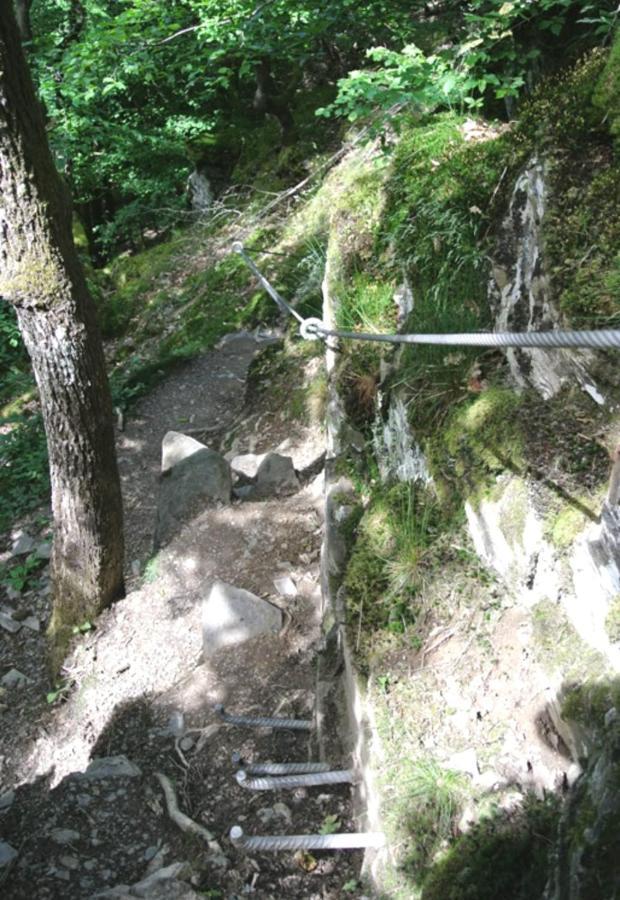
x=188, y=483
x=8, y=623
x=231, y=615
x=111, y=767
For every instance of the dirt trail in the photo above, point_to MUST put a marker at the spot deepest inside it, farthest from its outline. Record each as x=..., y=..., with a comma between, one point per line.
x=139, y=683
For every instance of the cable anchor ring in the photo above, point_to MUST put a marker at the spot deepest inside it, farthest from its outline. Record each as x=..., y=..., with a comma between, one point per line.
x=310, y=329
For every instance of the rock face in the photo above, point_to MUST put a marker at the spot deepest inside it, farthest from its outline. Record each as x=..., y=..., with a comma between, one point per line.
x=231, y=615
x=519, y=293
x=397, y=453
x=200, y=192
x=192, y=476
x=509, y=536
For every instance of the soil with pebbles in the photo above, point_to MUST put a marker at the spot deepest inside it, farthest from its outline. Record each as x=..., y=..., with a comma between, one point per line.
x=138, y=689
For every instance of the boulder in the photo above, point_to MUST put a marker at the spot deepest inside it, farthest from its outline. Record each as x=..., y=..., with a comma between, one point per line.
x=192, y=476
x=176, y=447
x=231, y=615
x=246, y=464
x=275, y=475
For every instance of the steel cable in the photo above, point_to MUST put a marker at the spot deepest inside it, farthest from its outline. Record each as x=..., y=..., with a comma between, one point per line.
x=313, y=329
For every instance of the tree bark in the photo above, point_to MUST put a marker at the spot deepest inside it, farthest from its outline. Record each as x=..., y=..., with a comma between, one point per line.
x=22, y=16
x=40, y=274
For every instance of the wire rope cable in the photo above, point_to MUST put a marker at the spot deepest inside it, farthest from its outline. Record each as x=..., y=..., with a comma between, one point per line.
x=315, y=329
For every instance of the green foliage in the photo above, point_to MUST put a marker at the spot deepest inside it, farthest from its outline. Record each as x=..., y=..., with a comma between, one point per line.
x=138, y=93
x=331, y=824
x=395, y=546
x=588, y=703
x=422, y=810
x=612, y=620
x=501, y=856
x=130, y=280
x=606, y=96
x=582, y=223
x=19, y=575
x=565, y=525
x=407, y=77
x=24, y=477
x=443, y=195
x=482, y=437
x=500, y=49
x=366, y=305
x=60, y=693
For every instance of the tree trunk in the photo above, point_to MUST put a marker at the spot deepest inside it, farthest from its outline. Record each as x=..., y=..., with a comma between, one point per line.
x=22, y=15
x=266, y=100
x=40, y=274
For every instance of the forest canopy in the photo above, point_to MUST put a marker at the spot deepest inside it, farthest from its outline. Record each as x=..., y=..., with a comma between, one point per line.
x=138, y=92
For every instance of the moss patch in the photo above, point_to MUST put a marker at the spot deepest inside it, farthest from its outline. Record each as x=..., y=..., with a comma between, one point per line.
x=606, y=96
x=559, y=648
x=567, y=121
x=564, y=526
x=504, y=856
x=588, y=703
x=612, y=620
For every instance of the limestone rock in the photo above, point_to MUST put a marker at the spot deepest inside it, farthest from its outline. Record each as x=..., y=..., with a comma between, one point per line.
x=176, y=447
x=44, y=550
x=7, y=854
x=521, y=296
x=246, y=464
x=14, y=679
x=396, y=449
x=231, y=615
x=200, y=191
x=23, y=545
x=111, y=767
x=8, y=623
x=285, y=586
x=192, y=475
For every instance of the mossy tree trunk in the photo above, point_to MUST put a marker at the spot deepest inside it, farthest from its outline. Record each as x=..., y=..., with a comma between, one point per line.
x=40, y=274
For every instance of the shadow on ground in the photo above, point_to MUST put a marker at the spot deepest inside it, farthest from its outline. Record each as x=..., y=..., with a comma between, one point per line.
x=553, y=844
